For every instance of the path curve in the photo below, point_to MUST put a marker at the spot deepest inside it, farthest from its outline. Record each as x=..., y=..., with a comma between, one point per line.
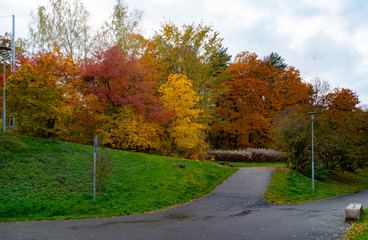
x=235, y=210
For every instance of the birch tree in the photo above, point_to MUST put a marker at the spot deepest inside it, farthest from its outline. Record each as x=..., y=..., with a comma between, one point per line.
x=61, y=24
x=122, y=29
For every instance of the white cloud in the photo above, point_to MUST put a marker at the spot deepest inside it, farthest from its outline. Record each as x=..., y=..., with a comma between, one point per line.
x=322, y=38
x=333, y=6
x=235, y=14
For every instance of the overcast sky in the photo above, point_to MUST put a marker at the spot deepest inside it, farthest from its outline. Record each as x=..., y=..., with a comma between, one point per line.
x=327, y=39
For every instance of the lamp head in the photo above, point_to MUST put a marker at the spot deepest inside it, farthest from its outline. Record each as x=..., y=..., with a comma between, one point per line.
x=4, y=48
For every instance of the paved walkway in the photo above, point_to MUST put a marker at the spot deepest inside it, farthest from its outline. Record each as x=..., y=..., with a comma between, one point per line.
x=235, y=210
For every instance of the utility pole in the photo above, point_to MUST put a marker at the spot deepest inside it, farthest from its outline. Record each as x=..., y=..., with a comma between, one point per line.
x=312, y=117
x=13, y=45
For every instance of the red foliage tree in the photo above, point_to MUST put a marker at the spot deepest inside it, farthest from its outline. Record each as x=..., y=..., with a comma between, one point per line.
x=114, y=78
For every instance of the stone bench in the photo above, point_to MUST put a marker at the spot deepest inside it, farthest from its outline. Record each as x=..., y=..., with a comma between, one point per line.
x=353, y=211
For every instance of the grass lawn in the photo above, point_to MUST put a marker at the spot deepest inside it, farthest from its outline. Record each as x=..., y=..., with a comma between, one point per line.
x=288, y=186
x=47, y=179
x=359, y=231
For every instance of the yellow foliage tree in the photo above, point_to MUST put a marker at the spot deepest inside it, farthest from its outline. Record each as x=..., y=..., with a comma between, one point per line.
x=185, y=135
x=130, y=131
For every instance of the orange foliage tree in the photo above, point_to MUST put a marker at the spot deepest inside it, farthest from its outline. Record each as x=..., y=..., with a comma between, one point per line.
x=42, y=93
x=342, y=100
x=257, y=91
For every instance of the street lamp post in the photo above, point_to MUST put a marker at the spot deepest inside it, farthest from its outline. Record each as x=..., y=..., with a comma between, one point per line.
x=4, y=49
x=312, y=117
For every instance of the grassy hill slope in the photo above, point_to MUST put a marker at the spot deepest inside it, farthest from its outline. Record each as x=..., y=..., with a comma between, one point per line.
x=47, y=179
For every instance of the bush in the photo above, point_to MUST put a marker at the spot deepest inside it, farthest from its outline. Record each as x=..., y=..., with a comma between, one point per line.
x=340, y=141
x=321, y=171
x=246, y=155
x=103, y=168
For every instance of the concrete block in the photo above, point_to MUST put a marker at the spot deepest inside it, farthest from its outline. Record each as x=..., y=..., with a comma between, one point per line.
x=353, y=210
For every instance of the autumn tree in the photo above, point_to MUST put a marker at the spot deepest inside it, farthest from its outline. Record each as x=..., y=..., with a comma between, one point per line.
x=340, y=131
x=195, y=51
x=244, y=121
x=119, y=93
x=41, y=94
x=257, y=91
x=130, y=131
x=286, y=87
x=184, y=135
x=61, y=24
x=342, y=100
x=117, y=78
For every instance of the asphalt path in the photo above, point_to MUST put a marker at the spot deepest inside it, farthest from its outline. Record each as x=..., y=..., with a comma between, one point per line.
x=235, y=210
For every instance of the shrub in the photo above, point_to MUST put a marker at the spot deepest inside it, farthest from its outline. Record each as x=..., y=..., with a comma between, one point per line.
x=340, y=140
x=321, y=171
x=246, y=155
x=103, y=168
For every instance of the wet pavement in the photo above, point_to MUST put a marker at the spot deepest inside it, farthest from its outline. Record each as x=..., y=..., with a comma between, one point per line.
x=235, y=210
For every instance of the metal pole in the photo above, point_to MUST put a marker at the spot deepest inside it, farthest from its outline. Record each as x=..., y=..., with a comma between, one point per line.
x=4, y=105
x=312, y=154
x=94, y=169
x=13, y=46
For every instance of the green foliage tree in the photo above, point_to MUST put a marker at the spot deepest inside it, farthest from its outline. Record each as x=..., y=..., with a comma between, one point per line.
x=276, y=61
x=195, y=51
x=340, y=132
x=292, y=134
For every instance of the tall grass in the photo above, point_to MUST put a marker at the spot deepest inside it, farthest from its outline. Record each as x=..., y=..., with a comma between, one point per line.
x=258, y=155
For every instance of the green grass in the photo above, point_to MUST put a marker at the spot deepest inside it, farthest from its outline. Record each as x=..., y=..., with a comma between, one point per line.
x=47, y=179
x=359, y=231
x=288, y=187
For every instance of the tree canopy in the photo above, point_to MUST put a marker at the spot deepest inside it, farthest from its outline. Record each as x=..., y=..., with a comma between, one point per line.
x=176, y=93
